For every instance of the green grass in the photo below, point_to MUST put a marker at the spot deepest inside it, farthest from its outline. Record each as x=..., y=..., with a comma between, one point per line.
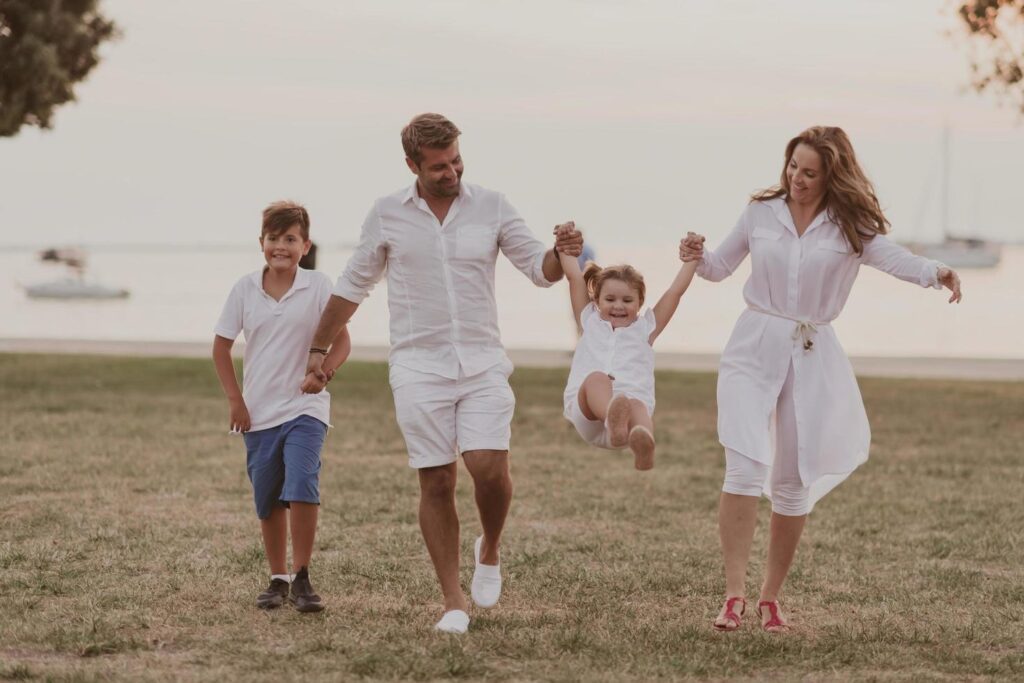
x=129, y=549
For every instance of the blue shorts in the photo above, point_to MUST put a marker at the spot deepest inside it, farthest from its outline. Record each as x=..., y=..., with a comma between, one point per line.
x=284, y=463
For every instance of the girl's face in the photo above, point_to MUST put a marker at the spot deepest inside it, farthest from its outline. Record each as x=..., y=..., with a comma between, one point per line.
x=618, y=303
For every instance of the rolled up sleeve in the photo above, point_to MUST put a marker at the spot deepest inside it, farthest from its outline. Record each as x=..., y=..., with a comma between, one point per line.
x=519, y=245
x=366, y=266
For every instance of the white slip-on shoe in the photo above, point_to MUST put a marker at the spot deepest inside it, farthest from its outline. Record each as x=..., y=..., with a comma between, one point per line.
x=617, y=421
x=486, y=588
x=455, y=621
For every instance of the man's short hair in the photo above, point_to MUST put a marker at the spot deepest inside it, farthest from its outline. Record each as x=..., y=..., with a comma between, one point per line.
x=427, y=130
x=280, y=216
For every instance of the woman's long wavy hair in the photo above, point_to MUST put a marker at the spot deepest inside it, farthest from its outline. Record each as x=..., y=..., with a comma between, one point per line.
x=849, y=196
x=594, y=277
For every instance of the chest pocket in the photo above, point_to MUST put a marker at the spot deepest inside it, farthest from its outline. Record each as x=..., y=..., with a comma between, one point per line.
x=834, y=244
x=475, y=242
x=765, y=234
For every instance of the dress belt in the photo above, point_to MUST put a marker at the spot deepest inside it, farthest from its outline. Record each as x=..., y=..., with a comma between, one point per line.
x=805, y=329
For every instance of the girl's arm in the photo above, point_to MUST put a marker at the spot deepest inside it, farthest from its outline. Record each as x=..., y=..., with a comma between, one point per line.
x=669, y=301
x=577, y=287
x=240, y=421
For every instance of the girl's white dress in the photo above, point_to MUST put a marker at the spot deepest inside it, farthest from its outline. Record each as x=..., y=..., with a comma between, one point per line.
x=624, y=354
x=798, y=285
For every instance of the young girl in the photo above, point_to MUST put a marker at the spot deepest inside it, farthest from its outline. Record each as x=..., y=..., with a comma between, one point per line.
x=610, y=394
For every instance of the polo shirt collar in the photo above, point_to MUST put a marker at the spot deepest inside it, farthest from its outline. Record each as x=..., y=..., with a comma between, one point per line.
x=302, y=280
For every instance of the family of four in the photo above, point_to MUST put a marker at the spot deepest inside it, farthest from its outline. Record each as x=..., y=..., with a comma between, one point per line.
x=790, y=414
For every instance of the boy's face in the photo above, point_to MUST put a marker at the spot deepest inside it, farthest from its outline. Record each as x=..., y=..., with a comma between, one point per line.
x=283, y=250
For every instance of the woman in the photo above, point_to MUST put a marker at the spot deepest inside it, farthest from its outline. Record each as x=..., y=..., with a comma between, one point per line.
x=790, y=414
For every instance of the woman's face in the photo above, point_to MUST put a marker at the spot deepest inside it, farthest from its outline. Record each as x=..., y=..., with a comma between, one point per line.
x=806, y=176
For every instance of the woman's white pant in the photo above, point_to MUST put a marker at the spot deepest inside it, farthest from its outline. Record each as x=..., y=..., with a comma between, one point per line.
x=747, y=477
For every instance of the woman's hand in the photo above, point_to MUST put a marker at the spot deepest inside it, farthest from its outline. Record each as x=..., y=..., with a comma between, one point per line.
x=691, y=247
x=950, y=280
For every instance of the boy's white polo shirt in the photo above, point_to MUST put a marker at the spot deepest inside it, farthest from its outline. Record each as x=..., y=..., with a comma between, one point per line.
x=277, y=339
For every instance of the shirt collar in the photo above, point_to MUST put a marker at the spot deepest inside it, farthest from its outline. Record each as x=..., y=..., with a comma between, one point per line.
x=302, y=279
x=413, y=193
x=781, y=210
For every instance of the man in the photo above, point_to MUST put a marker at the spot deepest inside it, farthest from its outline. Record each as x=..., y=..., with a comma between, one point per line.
x=439, y=240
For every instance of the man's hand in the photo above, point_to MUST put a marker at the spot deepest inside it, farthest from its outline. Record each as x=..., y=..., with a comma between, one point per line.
x=240, y=421
x=315, y=365
x=950, y=280
x=568, y=240
x=691, y=247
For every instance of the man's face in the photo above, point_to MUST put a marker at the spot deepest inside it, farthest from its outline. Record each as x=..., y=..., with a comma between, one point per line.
x=439, y=171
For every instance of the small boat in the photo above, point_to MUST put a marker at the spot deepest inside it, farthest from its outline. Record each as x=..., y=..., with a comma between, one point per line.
x=76, y=287
x=73, y=288
x=963, y=253
x=956, y=252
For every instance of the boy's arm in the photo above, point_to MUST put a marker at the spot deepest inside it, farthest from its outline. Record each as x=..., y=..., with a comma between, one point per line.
x=578, y=295
x=240, y=421
x=669, y=301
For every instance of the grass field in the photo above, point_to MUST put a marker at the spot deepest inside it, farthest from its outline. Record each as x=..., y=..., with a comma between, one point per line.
x=129, y=549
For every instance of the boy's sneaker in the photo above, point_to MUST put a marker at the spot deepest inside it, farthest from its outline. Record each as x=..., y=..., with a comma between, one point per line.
x=303, y=597
x=274, y=595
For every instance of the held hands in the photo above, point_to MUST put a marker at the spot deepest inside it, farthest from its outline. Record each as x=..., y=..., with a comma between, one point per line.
x=691, y=247
x=950, y=280
x=568, y=240
x=313, y=384
x=240, y=421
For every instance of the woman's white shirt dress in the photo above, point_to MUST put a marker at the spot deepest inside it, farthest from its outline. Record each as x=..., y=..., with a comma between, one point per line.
x=797, y=287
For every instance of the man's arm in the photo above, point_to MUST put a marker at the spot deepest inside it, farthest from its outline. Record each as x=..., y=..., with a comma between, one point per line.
x=336, y=315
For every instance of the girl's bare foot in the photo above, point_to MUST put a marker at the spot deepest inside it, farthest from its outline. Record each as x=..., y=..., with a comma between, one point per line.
x=641, y=442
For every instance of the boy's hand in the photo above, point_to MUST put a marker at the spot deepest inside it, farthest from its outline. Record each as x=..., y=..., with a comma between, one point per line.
x=313, y=384
x=240, y=421
x=568, y=240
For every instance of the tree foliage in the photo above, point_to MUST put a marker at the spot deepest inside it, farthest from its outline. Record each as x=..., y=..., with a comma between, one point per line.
x=46, y=48
x=996, y=31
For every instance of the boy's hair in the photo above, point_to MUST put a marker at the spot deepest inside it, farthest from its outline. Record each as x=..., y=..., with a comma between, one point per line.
x=280, y=216
x=594, y=276
x=427, y=130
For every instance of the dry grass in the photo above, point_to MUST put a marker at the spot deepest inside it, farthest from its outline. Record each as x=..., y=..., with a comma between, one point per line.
x=129, y=549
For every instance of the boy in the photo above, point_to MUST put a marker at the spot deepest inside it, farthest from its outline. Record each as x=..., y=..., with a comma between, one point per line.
x=278, y=308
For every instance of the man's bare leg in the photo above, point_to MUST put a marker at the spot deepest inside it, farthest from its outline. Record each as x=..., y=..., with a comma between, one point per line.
x=439, y=523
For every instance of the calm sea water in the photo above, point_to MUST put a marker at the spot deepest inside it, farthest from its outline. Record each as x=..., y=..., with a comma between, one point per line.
x=177, y=293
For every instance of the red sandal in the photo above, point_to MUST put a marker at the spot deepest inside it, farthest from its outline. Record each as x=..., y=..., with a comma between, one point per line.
x=732, y=618
x=775, y=624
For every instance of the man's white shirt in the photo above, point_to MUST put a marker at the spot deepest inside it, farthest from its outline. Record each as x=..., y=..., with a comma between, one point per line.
x=441, y=276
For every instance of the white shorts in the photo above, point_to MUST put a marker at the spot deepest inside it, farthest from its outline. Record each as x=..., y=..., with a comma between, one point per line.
x=592, y=431
x=441, y=418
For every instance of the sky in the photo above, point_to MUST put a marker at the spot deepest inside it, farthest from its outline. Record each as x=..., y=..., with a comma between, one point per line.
x=640, y=120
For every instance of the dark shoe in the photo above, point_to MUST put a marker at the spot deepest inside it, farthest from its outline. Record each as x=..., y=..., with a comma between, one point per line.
x=274, y=595
x=303, y=597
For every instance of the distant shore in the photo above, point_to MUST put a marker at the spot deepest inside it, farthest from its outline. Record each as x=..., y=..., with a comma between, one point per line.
x=1006, y=369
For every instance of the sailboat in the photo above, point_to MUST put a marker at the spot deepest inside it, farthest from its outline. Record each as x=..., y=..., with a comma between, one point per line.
x=75, y=286
x=957, y=252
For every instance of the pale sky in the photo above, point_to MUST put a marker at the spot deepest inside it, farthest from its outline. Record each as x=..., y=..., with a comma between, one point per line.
x=639, y=119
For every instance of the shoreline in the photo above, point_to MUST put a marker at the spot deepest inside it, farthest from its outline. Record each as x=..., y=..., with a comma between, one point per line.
x=1000, y=369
